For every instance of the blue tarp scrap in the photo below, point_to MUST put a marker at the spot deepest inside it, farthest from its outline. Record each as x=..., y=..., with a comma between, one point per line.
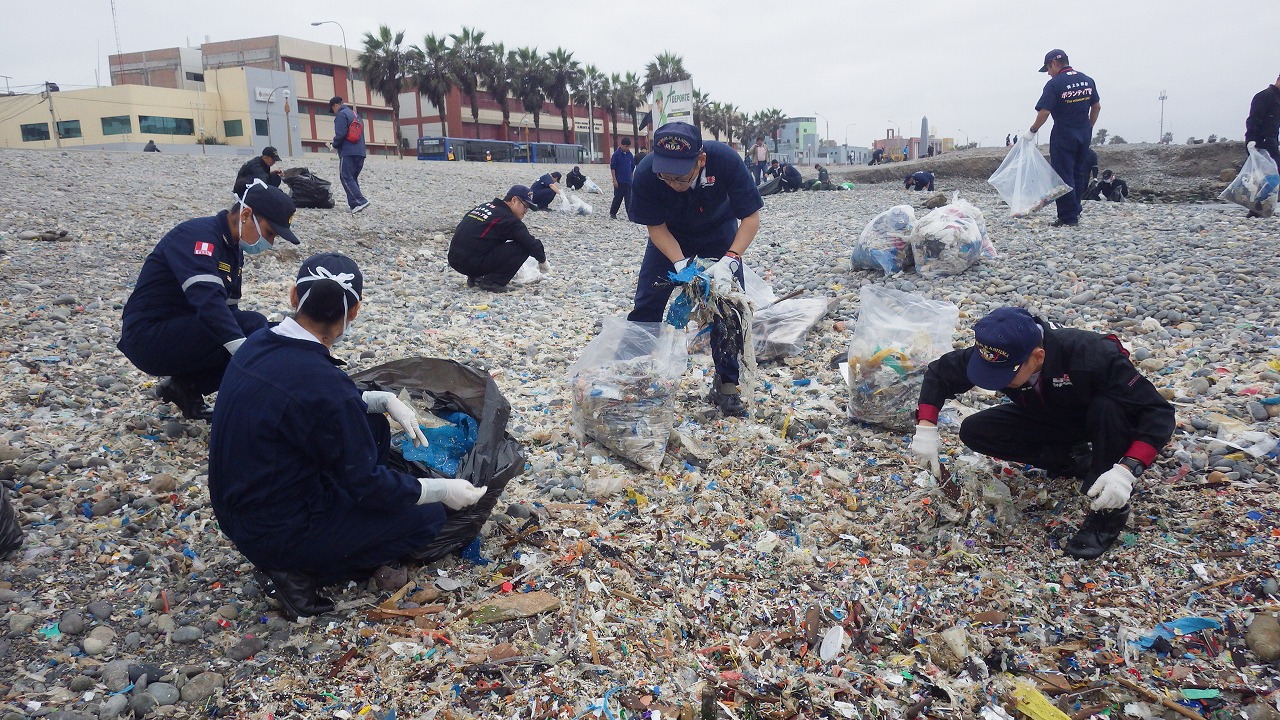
x=447, y=444
x=1173, y=628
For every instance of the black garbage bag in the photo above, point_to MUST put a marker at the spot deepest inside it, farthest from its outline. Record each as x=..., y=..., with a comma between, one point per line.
x=307, y=190
x=11, y=532
x=772, y=187
x=444, y=386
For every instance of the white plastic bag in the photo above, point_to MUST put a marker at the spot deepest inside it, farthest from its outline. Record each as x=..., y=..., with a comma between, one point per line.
x=1257, y=184
x=591, y=186
x=778, y=328
x=1026, y=181
x=885, y=243
x=571, y=204
x=624, y=388
x=950, y=240
x=528, y=273
x=895, y=338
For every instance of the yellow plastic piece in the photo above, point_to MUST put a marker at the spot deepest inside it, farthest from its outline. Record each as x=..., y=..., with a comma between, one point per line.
x=1036, y=706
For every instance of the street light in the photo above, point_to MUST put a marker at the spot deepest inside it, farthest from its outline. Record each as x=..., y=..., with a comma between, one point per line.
x=345, y=50
x=846, y=133
x=271, y=95
x=896, y=125
x=966, y=135
x=824, y=117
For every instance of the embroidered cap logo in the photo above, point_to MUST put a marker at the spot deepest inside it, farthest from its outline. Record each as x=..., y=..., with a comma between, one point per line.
x=675, y=144
x=993, y=355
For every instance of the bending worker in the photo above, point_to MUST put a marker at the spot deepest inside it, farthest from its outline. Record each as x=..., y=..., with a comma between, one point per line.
x=919, y=180
x=1079, y=409
x=697, y=200
x=259, y=168
x=183, y=319
x=492, y=242
x=297, y=456
x=545, y=189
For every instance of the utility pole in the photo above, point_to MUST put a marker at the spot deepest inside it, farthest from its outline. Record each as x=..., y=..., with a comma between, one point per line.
x=7, y=91
x=1163, y=96
x=48, y=90
x=288, y=128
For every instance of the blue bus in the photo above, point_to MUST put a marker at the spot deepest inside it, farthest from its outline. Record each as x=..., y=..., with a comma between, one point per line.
x=472, y=150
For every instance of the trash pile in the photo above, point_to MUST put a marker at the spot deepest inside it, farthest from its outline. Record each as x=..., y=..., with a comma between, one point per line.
x=947, y=241
x=885, y=243
x=1026, y=181
x=1257, y=184
x=779, y=325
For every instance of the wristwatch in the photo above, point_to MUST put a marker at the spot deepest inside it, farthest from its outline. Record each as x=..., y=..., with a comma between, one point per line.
x=1135, y=466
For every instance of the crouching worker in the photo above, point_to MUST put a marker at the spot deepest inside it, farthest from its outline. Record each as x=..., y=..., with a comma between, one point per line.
x=545, y=190
x=1079, y=409
x=297, y=456
x=183, y=319
x=492, y=242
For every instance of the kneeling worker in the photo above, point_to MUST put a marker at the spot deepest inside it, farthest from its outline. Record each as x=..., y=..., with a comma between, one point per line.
x=1109, y=188
x=260, y=168
x=545, y=189
x=492, y=242
x=791, y=179
x=919, y=180
x=1079, y=409
x=183, y=319
x=297, y=456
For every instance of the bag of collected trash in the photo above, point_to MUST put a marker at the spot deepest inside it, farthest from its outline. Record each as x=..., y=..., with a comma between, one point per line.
x=624, y=388
x=571, y=204
x=778, y=326
x=772, y=187
x=460, y=407
x=11, y=532
x=591, y=186
x=950, y=240
x=896, y=336
x=885, y=243
x=307, y=190
x=1257, y=184
x=1026, y=181
x=528, y=273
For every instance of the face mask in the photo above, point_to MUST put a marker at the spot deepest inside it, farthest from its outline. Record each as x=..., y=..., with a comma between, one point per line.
x=257, y=247
x=262, y=243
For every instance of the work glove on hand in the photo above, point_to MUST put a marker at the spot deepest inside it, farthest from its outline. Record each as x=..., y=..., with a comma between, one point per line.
x=381, y=401
x=1112, y=489
x=728, y=270
x=544, y=267
x=924, y=445
x=455, y=493
x=1027, y=137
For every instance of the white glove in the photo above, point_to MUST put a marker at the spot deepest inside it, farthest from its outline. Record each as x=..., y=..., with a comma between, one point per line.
x=233, y=345
x=1027, y=137
x=1112, y=489
x=381, y=401
x=455, y=493
x=924, y=445
x=544, y=267
x=725, y=272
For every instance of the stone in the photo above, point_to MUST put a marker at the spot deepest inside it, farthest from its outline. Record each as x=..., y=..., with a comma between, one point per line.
x=72, y=623
x=115, y=675
x=186, y=634
x=164, y=693
x=112, y=707
x=202, y=687
x=246, y=648
x=1263, y=637
x=501, y=608
x=98, y=640
x=20, y=623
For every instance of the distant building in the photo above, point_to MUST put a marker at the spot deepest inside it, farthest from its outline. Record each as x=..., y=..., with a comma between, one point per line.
x=181, y=68
x=893, y=143
x=798, y=140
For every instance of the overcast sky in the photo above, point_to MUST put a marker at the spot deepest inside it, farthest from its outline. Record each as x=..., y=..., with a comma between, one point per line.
x=862, y=67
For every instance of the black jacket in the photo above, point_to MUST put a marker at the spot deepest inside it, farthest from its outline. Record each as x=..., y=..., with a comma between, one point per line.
x=1078, y=366
x=255, y=169
x=1263, y=124
x=575, y=180
x=488, y=225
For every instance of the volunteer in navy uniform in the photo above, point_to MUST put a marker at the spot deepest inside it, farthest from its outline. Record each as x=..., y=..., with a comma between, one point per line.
x=1079, y=409
x=297, y=455
x=182, y=320
x=492, y=242
x=697, y=200
x=545, y=189
x=1071, y=98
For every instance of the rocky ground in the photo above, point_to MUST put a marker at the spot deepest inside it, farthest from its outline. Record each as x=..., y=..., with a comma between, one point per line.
x=763, y=572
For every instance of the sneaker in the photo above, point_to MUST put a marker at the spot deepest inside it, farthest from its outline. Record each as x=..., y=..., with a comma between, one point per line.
x=296, y=593
x=725, y=395
x=359, y=207
x=492, y=287
x=1064, y=223
x=471, y=281
x=1100, y=531
x=188, y=400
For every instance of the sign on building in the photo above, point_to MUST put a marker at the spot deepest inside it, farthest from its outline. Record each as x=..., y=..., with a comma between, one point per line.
x=673, y=102
x=262, y=94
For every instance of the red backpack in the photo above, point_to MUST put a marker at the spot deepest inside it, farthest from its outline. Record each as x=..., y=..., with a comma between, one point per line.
x=356, y=129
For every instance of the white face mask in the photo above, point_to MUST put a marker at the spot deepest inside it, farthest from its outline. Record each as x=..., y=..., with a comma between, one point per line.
x=262, y=244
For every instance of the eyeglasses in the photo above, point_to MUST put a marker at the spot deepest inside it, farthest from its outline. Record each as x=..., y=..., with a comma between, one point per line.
x=686, y=179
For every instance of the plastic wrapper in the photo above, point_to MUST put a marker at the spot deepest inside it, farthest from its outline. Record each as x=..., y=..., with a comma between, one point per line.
x=885, y=243
x=778, y=327
x=895, y=338
x=447, y=443
x=624, y=389
x=1256, y=185
x=307, y=190
x=442, y=387
x=1026, y=180
x=950, y=240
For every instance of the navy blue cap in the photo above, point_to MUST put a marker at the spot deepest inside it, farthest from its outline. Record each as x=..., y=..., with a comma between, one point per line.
x=676, y=147
x=272, y=205
x=1050, y=56
x=522, y=192
x=333, y=266
x=1004, y=340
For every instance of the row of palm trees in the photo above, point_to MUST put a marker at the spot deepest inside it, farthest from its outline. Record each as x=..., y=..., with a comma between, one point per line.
x=526, y=76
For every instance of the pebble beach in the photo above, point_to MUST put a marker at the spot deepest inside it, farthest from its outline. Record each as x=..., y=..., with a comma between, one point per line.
x=791, y=564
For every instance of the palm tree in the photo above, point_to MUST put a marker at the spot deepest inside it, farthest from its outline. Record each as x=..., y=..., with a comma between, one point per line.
x=591, y=93
x=701, y=104
x=772, y=121
x=666, y=67
x=629, y=96
x=470, y=59
x=497, y=80
x=563, y=74
x=712, y=117
x=386, y=67
x=528, y=75
x=612, y=100
x=433, y=73
x=729, y=120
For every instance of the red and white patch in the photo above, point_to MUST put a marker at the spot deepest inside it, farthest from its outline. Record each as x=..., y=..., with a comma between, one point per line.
x=204, y=248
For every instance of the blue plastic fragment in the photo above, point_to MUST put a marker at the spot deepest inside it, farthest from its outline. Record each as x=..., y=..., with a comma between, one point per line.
x=1173, y=628
x=471, y=553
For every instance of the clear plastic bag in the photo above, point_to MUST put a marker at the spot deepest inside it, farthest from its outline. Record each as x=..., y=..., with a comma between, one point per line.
x=885, y=243
x=528, y=273
x=624, y=388
x=1026, y=181
x=778, y=328
x=950, y=240
x=895, y=338
x=571, y=204
x=1256, y=185
x=591, y=186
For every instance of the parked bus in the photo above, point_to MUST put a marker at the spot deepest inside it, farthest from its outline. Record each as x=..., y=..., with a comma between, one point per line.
x=446, y=148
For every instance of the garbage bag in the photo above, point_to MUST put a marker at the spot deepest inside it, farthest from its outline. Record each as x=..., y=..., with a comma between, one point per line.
x=885, y=243
x=528, y=273
x=11, y=532
x=445, y=387
x=896, y=336
x=624, y=388
x=571, y=204
x=950, y=240
x=1026, y=181
x=591, y=187
x=307, y=190
x=778, y=327
x=1256, y=185
x=772, y=187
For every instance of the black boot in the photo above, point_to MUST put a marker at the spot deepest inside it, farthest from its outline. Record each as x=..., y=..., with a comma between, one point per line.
x=1100, y=531
x=725, y=396
x=296, y=592
x=188, y=400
